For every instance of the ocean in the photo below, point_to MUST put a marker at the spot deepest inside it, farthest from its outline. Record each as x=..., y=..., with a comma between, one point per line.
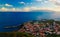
x=17, y=18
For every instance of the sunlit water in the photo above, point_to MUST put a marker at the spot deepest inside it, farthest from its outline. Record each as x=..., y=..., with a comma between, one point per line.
x=17, y=18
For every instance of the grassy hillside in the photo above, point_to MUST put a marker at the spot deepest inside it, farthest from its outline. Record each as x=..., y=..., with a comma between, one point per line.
x=15, y=34
x=20, y=34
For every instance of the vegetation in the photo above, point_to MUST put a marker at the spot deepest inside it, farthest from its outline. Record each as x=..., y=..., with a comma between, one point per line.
x=53, y=35
x=20, y=34
x=15, y=34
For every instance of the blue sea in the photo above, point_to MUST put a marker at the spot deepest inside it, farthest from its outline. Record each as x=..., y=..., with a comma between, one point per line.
x=17, y=18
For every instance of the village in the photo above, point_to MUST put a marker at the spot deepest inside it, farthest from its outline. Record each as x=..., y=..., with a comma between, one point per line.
x=41, y=28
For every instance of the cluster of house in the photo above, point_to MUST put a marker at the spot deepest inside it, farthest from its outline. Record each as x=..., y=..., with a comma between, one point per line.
x=40, y=29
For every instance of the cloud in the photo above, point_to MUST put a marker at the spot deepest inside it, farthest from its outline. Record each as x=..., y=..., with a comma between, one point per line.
x=56, y=9
x=56, y=2
x=45, y=1
x=3, y=9
x=26, y=9
x=32, y=8
x=7, y=9
x=8, y=5
x=38, y=0
x=22, y=2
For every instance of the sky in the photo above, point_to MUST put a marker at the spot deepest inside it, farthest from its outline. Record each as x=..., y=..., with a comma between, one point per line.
x=29, y=5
